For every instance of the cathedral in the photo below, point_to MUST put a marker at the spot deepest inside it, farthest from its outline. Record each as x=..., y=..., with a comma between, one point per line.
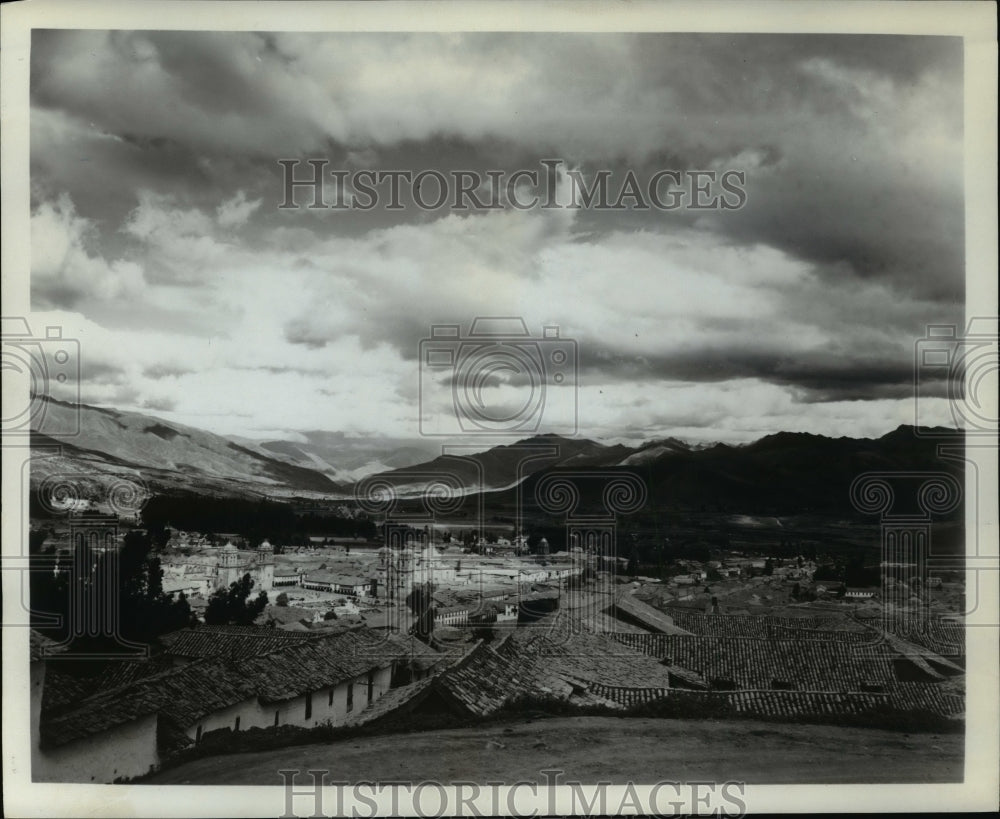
x=217, y=568
x=232, y=564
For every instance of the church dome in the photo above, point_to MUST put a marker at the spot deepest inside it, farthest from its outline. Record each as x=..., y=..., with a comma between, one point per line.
x=265, y=546
x=229, y=547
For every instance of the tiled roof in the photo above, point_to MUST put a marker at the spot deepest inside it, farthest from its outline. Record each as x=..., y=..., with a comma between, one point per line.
x=944, y=637
x=908, y=697
x=684, y=678
x=418, y=653
x=648, y=617
x=929, y=661
x=753, y=663
x=186, y=694
x=843, y=635
x=392, y=702
x=587, y=656
x=627, y=697
x=767, y=626
x=63, y=689
x=927, y=697
x=794, y=703
x=770, y=703
x=309, y=665
x=549, y=662
x=65, y=685
x=485, y=680
x=226, y=641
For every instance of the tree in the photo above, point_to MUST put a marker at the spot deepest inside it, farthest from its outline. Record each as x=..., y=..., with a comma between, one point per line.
x=132, y=574
x=282, y=600
x=827, y=572
x=231, y=606
x=768, y=567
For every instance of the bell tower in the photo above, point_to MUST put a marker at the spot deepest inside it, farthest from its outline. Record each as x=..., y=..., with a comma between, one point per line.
x=265, y=566
x=229, y=563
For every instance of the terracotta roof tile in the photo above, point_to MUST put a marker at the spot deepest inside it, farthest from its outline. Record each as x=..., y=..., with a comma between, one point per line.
x=226, y=641
x=186, y=694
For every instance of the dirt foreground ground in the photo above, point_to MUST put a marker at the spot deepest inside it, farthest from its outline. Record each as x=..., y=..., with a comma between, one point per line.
x=590, y=749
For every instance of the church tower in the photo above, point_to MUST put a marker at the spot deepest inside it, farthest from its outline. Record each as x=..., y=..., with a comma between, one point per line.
x=265, y=566
x=229, y=565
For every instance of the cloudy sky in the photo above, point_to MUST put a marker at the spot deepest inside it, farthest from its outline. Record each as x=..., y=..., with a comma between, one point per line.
x=157, y=239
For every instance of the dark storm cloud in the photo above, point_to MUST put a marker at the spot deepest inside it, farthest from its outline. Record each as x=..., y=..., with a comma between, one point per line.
x=834, y=375
x=101, y=372
x=166, y=370
x=160, y=404
x=826, y=178
x=300, y=332
x=164, y=143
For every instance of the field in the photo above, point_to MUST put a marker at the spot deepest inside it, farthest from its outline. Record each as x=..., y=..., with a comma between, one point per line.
x=589, y=749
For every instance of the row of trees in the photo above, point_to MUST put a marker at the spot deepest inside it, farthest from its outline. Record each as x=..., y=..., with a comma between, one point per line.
x=254, y=519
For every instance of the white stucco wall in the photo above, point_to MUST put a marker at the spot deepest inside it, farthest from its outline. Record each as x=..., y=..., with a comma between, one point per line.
x=124, y=751
x=254, y=714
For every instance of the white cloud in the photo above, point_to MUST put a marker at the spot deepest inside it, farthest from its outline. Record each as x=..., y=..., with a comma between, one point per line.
x=64, y=269
x=236, y=211
x=312, y=327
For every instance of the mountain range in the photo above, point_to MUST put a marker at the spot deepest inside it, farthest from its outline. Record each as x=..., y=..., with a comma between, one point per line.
x=783, y=471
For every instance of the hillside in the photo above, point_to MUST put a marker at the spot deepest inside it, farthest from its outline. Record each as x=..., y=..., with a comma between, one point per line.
x=504, y=466
x=784, y=473
x=166, y=455
x=344, y=459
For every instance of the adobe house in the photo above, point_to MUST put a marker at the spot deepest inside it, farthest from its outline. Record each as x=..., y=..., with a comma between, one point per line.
x=127, y=731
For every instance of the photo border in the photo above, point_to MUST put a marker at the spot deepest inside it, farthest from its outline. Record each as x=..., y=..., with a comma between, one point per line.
x=974, y=22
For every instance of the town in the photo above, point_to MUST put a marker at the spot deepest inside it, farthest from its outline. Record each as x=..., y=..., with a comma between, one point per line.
x=410, y=624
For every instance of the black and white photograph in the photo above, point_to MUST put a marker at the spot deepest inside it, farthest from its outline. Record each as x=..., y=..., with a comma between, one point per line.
x=499, y=412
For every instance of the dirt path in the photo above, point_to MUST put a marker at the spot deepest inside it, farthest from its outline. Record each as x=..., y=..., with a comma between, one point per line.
x=607, y=748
